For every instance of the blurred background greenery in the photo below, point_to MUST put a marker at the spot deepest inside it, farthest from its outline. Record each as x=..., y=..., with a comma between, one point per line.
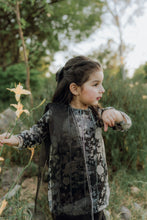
x=47, y=27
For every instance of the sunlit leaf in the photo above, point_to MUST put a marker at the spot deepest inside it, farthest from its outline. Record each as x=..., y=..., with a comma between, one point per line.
x=3, y=206
x=32, y=152
x=2, y=159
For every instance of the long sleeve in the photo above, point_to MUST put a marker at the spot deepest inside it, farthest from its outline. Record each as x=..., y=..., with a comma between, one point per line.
x=123, y=125
x=36, y=134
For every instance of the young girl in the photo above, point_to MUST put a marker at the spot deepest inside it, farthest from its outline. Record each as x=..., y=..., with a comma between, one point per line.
x=72, y=131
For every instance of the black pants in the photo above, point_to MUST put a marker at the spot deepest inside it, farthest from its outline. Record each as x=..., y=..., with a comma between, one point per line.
x=98, y=216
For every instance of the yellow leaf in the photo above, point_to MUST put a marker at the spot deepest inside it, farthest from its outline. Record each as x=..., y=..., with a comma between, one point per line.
x=26, y=111
x=41, y=103
x=3, y=206
x=144, y=97
x=2, y=159
x=32, y=152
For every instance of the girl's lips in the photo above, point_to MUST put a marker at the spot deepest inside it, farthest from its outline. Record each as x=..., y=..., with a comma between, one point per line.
x=98, y=98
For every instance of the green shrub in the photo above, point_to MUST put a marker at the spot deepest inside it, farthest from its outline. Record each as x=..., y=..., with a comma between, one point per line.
x=128, y=148
x=44, y=91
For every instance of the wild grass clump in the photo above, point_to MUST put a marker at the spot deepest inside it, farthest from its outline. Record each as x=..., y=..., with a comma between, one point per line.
x=122, y=184
x=128, y=148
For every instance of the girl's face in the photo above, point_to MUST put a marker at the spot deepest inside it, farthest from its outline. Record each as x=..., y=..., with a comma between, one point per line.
x=90, y=92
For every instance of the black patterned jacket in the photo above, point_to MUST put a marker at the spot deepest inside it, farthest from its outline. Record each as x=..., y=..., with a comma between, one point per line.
x=78, y=177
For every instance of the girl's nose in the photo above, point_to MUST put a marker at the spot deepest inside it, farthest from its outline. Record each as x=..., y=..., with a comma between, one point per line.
x=102, y=90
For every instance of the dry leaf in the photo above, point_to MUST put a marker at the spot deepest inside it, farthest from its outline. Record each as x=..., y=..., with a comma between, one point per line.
x=32, y=152
x=3, y=206
x=135, y=190
x=144, y=97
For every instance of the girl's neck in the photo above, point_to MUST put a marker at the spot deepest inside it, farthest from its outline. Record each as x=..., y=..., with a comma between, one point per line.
x=78, y=105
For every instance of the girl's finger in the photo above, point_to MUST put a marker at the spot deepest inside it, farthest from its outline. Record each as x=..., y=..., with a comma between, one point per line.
x=105, y=126
x=112, y=121
x=111, y=114
x=4, y=135
x=5, y=141
x=109, y=122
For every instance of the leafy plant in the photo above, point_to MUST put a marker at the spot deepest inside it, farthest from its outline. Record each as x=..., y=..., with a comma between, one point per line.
x=18, y=90
x=128, y=148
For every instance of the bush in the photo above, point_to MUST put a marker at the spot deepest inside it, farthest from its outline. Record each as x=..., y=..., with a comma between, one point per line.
x=128, y=148
x=43, y=91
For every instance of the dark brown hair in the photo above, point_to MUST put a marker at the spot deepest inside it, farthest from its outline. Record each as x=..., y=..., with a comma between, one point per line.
x=77, y=70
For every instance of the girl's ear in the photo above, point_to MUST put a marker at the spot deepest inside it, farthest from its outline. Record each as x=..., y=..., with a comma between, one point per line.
x=74, y=89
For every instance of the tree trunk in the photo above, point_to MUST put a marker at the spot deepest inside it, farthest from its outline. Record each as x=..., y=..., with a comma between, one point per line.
x=24, y=47
x=122, y=70
x=116, y=18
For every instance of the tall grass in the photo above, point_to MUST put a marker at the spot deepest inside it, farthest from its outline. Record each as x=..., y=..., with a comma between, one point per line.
x=121, y=184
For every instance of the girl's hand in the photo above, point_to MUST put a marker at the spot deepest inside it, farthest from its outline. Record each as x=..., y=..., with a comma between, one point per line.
x=12, y=141
x=111, y=116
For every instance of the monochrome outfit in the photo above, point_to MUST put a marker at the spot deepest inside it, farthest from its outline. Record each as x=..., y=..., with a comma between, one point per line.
x=78, y=175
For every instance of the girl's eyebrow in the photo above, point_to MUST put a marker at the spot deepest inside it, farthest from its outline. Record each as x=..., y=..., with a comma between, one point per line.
x=96, y=81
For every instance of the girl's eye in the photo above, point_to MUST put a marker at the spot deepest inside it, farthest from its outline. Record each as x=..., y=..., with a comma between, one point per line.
x=96, y=84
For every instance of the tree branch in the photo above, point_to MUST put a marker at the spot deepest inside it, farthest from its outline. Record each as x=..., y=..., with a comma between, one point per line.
x=24, y=46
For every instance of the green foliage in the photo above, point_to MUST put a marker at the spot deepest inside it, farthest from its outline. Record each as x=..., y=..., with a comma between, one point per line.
x=21, y=207
x=41, y=89
x=18, y=157
x=109, y=60
x=128, y=148
x=140, y=74
x=19, y=211
x=45, y=91
x=15, y=74
x=44, y=24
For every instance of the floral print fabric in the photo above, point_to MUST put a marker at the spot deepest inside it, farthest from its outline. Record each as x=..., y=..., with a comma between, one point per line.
x=95, y=161
x=78, y=176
